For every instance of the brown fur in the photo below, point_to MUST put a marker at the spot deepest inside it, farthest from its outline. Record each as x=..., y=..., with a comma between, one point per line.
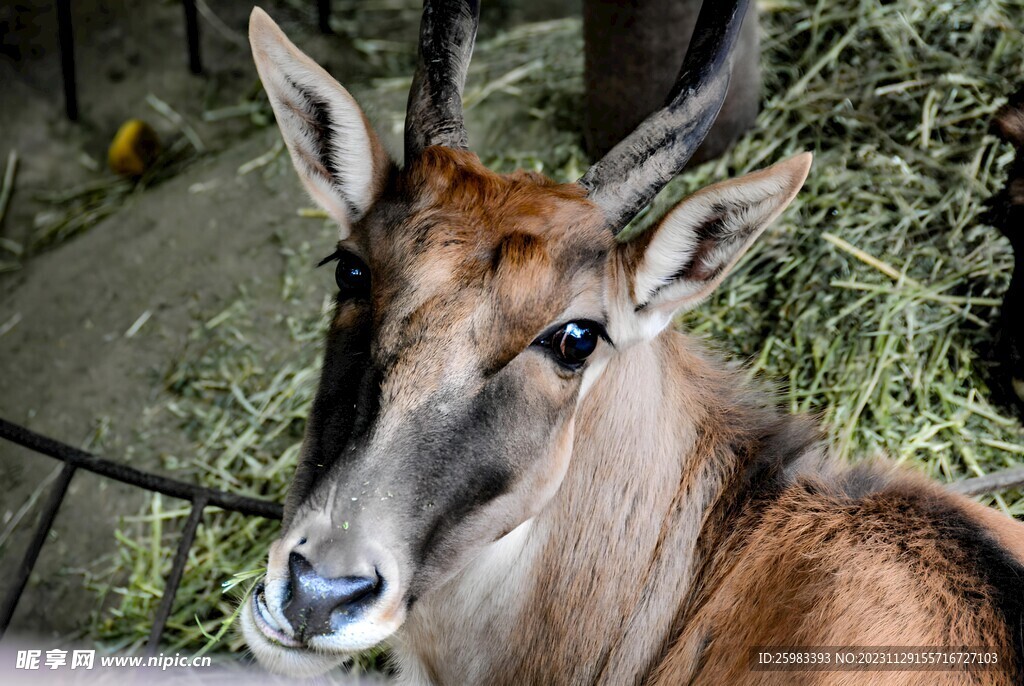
x=683, y=532
x=629, y=588
x=816, y=569
x=642, y=518
x=821, y=568
x=1008, y=122
x=467, y=229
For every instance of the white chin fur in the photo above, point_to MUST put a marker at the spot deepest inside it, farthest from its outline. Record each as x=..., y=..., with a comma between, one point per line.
x=280, y=660
x=323, y=652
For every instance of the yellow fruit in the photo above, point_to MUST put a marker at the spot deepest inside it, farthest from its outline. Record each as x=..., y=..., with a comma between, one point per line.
x=134, y=149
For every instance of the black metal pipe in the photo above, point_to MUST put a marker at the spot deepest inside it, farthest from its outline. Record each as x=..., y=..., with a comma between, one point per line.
x=188, y=535
x=195, y=62
x=57, y=492
x=323, y=8
x=66, y=38
x=129, y=475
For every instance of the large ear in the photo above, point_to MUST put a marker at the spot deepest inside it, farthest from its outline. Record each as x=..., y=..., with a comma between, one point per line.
x=679, y=262
x=333, y=147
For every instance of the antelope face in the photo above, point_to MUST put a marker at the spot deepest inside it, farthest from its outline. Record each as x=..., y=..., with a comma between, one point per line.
x=473, y=313
x=464, y=327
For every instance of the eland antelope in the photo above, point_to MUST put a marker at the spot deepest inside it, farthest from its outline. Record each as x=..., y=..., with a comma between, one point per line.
x=516, y=471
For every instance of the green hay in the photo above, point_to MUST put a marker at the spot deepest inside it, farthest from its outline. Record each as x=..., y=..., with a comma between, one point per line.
x=869, y=301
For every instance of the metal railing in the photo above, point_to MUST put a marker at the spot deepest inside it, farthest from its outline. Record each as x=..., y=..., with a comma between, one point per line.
x=66, y=41
x=74, y=459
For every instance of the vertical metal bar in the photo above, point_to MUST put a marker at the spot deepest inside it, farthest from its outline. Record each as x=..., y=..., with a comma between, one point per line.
x=174, y=580
x=66, y=39
x=53, y=501
x=323, y=8
x=195, y=63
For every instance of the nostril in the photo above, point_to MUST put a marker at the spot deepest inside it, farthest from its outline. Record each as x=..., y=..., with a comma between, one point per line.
x=299, y=567
x=315, y=604
x=362, y=588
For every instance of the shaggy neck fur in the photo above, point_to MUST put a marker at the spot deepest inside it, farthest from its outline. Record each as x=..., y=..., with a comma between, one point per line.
x=666, y=445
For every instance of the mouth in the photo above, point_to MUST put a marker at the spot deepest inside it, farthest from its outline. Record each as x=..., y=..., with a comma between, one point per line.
x=266, y=623
x=274, y=647
x=271, y=628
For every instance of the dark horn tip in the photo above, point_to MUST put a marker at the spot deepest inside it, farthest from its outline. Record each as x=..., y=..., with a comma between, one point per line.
x=626, y=179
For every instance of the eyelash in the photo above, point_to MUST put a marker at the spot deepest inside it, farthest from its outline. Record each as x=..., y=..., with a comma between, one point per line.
x=330, y=258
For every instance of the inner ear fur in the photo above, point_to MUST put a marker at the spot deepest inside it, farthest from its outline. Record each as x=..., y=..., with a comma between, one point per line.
x=335, y=151
x=690, y=251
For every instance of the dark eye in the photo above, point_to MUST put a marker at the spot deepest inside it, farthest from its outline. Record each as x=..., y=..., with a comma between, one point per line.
x=352, y=275
x=572, y=343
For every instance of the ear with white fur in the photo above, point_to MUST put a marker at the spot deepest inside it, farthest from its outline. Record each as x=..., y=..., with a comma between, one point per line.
x=334, y=149
x=681, y=261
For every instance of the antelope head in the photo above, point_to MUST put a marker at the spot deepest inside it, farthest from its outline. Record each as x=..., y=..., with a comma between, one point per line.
x=474, y=311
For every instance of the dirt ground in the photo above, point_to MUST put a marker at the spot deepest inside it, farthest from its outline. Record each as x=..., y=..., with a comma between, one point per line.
x=179, y=251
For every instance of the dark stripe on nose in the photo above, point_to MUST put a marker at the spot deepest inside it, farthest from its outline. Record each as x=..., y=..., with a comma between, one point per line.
x=484, y=484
